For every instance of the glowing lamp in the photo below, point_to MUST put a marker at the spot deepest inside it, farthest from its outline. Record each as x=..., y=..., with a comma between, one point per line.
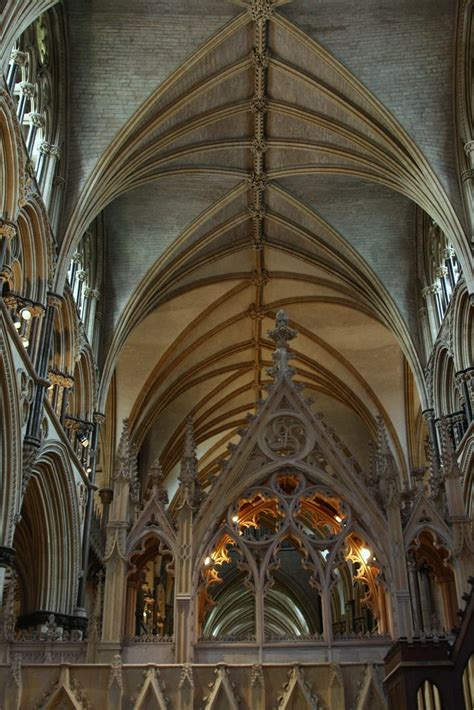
x=83, y=439
x=365, y=553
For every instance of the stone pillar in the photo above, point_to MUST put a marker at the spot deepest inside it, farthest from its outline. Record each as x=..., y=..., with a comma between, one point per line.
x=86, y=535
x=464, y=380
x=469, y=150
x=92, y=295
x=27, y=91
x=49, y=155
x=400, y=586
x=189, y=494
x=17, y=59
x=8, y=232
x=32, y=437
x=36, y=121
x=115, y=554
x=415, y=595
x=431, y=295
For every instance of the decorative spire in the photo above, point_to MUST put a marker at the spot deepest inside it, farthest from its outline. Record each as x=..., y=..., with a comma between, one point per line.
x=448, y=454
x=188, y=477
x=382, y=479
x=124, y=460
x=281, y=356
x=155, y=478
x=189, y=460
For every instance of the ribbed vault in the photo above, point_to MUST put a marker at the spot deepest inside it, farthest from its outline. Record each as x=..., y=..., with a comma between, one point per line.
x=257, y=163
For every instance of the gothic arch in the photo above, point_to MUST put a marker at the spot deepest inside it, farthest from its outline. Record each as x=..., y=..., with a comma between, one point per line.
x=463, y=329
x=10, y=436
x=35, y=251
x=47, y=538
x=82, y=403
x=222, y=500
x=11, y=158
x=444, y=390
x=65, y=336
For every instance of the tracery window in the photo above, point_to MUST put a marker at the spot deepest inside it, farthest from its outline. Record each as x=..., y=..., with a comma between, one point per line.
x=85, y=280
x=440, y=273
x=290, y=561
x=29, y=81
x=36, y=81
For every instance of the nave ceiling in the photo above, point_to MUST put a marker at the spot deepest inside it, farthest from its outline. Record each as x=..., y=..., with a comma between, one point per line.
x=241, y=165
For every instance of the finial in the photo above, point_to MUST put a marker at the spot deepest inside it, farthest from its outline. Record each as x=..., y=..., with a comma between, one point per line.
x=281, y=356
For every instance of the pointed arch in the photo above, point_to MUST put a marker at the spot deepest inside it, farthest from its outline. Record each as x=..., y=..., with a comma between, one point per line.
x=47, y=538
x=10, y=437
x=12, y=163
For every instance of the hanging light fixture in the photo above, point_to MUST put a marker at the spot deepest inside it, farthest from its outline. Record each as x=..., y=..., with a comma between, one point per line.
x=83, y=439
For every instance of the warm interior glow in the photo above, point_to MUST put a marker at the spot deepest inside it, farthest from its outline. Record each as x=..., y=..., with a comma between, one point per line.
x=365, y=553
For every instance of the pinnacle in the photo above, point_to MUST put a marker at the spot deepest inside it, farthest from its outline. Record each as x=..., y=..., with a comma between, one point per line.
x=281, y=356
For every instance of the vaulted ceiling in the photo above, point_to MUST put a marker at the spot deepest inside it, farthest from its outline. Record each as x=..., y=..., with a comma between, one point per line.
x=251, y=156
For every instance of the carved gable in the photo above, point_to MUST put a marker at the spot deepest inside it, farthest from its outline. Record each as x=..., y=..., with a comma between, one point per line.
x=287, y=432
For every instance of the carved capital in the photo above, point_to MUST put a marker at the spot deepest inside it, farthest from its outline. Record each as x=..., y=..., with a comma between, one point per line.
x=61, y=379
x=54, y=300
x=441, y=272
x=19, y=58
x=430, y=290
x=45, y=147
x=448, y=253
x=106, y=495
x=27, y=89
x=37, y=120
x=469, y=149
x=55, y=151
x=7, y=229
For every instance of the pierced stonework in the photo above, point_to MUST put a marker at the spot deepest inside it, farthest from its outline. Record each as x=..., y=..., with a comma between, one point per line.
x=285, y=436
